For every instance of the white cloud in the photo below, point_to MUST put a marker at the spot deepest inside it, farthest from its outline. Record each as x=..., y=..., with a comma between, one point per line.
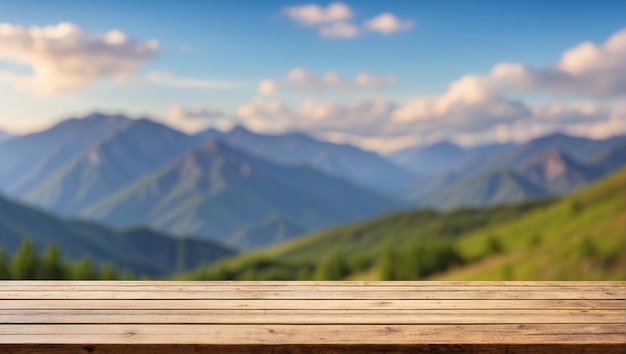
x=335, y=21
x=65, y=59
x=167, y=78
x=341, y=30
x=591, y=69
x=368, y=80
x=194, y=119
x=267, y=87
x=301, y=80
x=479, y=101
x=476, y=108
x=266, y=116
x=308, y=15
x=387, y=23
x=570, y=113
x=368, y=121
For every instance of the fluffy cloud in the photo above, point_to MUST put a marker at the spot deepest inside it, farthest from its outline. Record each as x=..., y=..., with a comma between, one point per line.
x=570, y=113
x=194, y=119
x=480, y=101
x=308, y=15
x=301, y=80
x=368, y=122
x=334, y=21
x=65, y=59
x=591, y=69
x=266, y=116
x=387, y=23
x=470, y=103
x=581, y=89
x=167, y=78
x=476, y=108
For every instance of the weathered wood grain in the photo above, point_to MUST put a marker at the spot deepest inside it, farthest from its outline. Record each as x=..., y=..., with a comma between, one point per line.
x=304, y=317
x=312, y=317
x=229, y=304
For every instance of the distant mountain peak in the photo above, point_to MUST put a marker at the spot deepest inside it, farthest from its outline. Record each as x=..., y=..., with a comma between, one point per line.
x=241, y=129
x=554, y=163
x=102, y=117
x=444, y=147
x=149, y=125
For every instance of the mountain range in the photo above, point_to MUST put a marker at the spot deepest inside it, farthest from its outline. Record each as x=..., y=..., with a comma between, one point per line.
x=137, y=149
x=346, y=161
x=247, y=189
x=30, y=159
x=548, y=166
x=140, y=250
x=217, y=190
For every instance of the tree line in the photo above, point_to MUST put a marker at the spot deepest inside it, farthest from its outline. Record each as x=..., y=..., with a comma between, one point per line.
x=28, y=264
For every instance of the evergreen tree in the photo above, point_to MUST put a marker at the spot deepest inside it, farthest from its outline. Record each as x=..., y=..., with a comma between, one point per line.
x=493, y=245
x=333, y=267
x=52, y=267
x=24, y=264
x=107, y=272
x=83, y=270
x=303, y=273
x=5, y=273
x=386, y=265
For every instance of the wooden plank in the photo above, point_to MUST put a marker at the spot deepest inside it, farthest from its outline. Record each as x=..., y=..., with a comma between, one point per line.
x=313, y=294
x=580, y=334
x=306, y=317
x=315, y=348
x=158, y=304
x=320, y=317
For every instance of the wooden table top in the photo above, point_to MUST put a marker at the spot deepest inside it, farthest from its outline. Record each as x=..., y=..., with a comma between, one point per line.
x=347, y=317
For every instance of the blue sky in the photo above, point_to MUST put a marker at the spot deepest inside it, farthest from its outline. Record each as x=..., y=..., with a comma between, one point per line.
x=212, y=56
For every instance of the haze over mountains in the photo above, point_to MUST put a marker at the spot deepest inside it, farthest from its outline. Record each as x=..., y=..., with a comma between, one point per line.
x=440, y=157
x=249, y=190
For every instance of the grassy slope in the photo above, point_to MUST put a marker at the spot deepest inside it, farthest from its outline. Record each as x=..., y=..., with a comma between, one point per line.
x=368, y=239
x=579, y=238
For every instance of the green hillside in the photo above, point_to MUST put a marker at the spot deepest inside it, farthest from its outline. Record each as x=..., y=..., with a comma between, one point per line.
x=496, y=187
x=359, y=246
x=579, y=237
x=271, y=231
